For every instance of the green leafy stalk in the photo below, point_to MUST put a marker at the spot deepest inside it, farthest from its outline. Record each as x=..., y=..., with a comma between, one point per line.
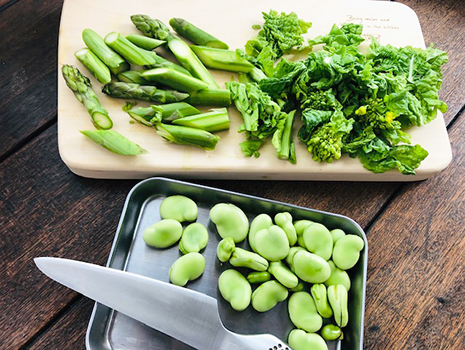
x=195, y=34
x=133, y=76
x=215, y=120
x=109, y=57
x=184, y=135
x=283, y=141
x=142, y=92
x=114, y=142
x=145, y=42
x=94, y=65
x=210, y=97
x=132, y=53
x=222, y=59
x=174, y=79
x=82, y=89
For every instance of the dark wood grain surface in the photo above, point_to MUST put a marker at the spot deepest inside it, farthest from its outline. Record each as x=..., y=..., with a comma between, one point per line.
x=416, y=278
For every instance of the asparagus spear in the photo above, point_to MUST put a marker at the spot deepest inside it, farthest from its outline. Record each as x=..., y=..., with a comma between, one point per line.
x=114, y=142
x=128, y=50
x=196, y=35
x=210, y=97
x=222, y=59
x=175, y=79
x=143, y=92
x=149, y=116
x=161, y=62
x=215, y=120
x=82, y=88
x=133, y=76
x=156, y=29
x=111, y=59
x=94, y=65
x=145, y=42
x=282, y=140
x=183, y=135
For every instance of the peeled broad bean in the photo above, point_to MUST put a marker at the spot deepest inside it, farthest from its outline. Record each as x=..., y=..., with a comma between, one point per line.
x=259, y=223
x=284, y=220
x=320, y=297
x=300, y=227
x=298, y=288
x=337, y=296
x=331, y=332
x=318, y=240
x=194, y=238
x=272, y=243
x=187, y=268
x=300, y=340
x=163, y=233
x=303, y=312
x=179, y=208
x=243, y=258
x=311, y=267
x=225, y=249
x=338, y=276
x=283, y=274
x=337, y=234
x=268, y=295
x=230, y=221
x=347, y=251
x=258, y=276
x=290, y=256
x=235, y=289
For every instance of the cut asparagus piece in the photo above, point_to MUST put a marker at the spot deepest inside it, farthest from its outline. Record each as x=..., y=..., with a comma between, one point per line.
x=222, y=59
x=94, y=65
x=161, y=62
x=133, y=76
x=215, y=120
x=114, y=142
x=97, y=45
x=158, y=30
x=149, y=116
x=283, y=142
x=175, y=79
x=82, y=89
x=142, y=115
x=144, y=42
x=183, y=135
x=195, y=34
x=132, y=53
x=210, y=97
x=143, y=92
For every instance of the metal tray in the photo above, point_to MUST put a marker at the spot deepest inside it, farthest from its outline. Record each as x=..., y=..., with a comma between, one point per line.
x=112, y=330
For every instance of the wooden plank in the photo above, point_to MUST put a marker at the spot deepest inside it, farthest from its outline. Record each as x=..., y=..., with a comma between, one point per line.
x=416, y=263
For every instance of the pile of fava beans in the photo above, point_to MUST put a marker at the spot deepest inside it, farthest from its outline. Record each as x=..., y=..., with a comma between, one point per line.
x=287, y=259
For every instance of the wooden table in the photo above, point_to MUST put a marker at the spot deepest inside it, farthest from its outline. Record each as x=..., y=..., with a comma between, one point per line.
x=416, y=270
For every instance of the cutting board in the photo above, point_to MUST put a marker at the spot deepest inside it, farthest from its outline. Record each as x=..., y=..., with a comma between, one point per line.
x=231, y=21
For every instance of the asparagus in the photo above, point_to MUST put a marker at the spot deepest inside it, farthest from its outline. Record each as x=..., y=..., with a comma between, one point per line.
x=143, y=92
x=111, y=59
x=82, y=89
x=283, y=141
x=196, y=35
x=128, y=50
x=215, y=120
x=222, y=59
x=114, y=142
x=94, y=65
x=183, y=135
x=149, y=116
x=145, y=42
x=133, y=76
x=161, y=62
x=156, y=29
x=175, y=79
x=210, y=97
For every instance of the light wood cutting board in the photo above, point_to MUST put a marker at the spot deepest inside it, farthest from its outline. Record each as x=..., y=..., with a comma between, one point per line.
x=231, y=21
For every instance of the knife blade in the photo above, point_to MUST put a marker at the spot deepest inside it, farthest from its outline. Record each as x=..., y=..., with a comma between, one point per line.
x=181, y=313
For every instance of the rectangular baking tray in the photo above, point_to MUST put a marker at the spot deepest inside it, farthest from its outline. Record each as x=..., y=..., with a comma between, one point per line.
x=110, y=330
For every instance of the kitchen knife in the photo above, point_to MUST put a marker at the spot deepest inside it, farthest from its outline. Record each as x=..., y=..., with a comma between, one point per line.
x=181, y=313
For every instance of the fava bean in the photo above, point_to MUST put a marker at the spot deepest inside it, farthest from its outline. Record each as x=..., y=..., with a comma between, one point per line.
x=284, y=220
x=320, y=297
x=235, y=289
x=337, y=234
x=259, y=223
x=347, y=251
x=243, y=258
x=283, y=274
x=331, y=332
x=291, y=254
x=272, y=243
x=300, y=227
x=230, y=221
x=187, y=268
x=268, y=295
x=303, y=312
x=298, y=288
x=179, y=208
x=318, y=240
x=163, y=233
x=311, y=267
x=194, y=238
x=300, y=340
x=338, y=276
x=337, y=296
x=258, y=276
x=225, y=249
